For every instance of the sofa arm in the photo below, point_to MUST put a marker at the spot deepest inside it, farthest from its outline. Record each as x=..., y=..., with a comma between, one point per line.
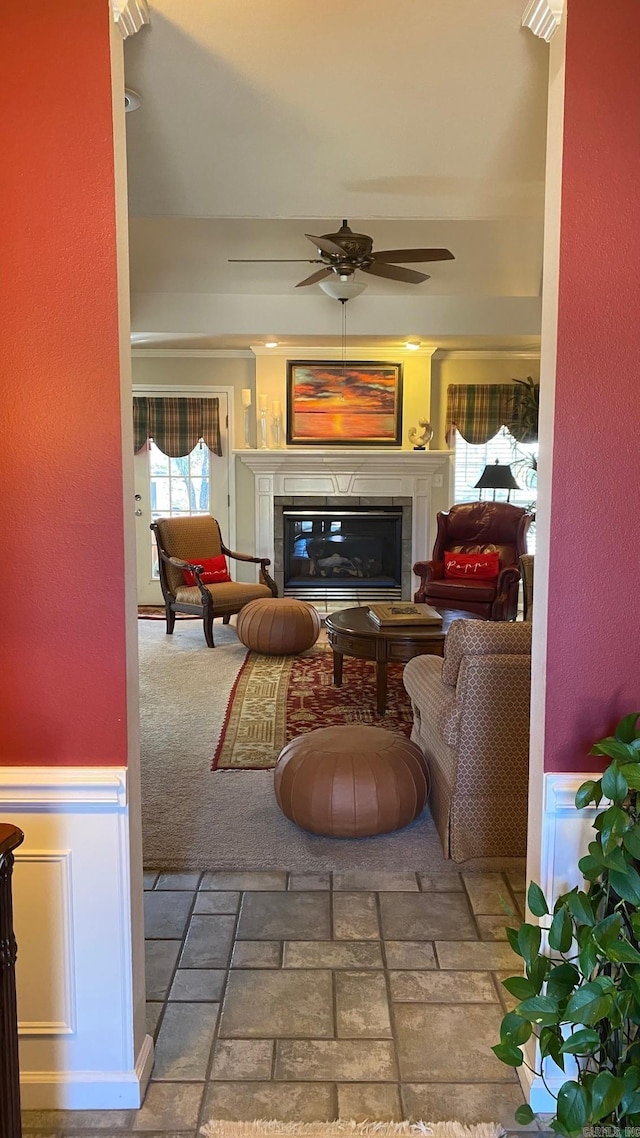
x=426, y=571
x=505, y=605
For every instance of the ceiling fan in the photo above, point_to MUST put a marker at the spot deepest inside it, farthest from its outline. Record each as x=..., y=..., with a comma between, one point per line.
x=345, y=251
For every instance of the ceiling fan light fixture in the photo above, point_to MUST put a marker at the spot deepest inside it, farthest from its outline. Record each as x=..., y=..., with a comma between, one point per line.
x=341, y=289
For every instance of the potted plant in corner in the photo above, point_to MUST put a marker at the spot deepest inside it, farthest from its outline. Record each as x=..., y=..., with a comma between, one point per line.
x=583, y=1001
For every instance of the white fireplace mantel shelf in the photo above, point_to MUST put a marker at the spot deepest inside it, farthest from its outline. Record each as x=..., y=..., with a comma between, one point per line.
x=347, y=472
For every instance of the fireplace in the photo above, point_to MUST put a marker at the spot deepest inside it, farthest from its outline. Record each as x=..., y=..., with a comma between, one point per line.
x=347, y=551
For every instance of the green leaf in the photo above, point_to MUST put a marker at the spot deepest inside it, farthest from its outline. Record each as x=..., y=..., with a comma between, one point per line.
x=562, y=980
x=631, y=772
x=519, y=987
x=539, y=1009
x=580, y=908
x=626, y=884
x=561, y=932
x=626, y=729
x=584, y=1042
x=536, y=901
x=622, y=952
x=635, y=925
x=585, y=793
x=630, y=1102
x=614, y=823
x=538, y=972
x=587, y=1005
x=631, y=840
x=512, y=937
x=607, y=932
x=613, y=749
x=524, y=1114
x=589, y=867
x=573, y=1107
x=588, y=956
x=508, y=1053
x=606, y=1094
x=515, y=1029
x=529, y=937
x=614, y=784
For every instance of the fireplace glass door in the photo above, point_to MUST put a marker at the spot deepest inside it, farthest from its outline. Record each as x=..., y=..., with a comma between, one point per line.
x=343, y=554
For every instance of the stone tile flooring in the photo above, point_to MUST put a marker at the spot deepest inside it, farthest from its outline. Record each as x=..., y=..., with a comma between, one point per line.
x=317, y=996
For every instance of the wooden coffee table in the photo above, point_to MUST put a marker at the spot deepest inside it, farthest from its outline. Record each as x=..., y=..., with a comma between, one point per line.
x=352, y=633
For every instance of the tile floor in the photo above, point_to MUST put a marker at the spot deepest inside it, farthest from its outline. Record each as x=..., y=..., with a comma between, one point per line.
x=317, y=996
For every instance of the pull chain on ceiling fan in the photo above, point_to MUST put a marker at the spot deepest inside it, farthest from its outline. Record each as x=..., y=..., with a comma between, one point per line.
x=344, y=252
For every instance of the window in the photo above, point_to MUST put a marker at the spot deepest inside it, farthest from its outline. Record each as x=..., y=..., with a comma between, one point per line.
x=179, y=487
x=471, y=460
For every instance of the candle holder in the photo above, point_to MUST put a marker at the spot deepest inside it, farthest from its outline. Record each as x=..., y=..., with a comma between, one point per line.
x=247, y=428
x=264, y=442
x=276, y=426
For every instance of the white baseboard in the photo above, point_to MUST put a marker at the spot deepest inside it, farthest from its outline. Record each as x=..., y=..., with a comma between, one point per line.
x=77, y=919
x=566, y=833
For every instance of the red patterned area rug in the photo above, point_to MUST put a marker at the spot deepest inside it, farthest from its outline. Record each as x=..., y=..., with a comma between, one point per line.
x=157, y=612
x=276, y=698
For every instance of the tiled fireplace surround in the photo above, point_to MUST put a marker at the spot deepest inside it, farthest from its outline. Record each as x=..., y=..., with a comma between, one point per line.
x=418, y=481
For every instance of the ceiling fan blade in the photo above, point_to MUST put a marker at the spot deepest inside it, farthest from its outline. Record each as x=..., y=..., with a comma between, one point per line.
x=274, y=261
x=315, y=277
x=406, y=256
x=395, y=273
x=329, y=247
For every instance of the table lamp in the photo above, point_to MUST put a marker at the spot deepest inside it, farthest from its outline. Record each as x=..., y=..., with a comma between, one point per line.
x=496, y=476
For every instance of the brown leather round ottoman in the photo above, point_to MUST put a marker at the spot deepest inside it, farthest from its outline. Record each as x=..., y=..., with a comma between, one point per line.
x=351, y=782
x=278, y=627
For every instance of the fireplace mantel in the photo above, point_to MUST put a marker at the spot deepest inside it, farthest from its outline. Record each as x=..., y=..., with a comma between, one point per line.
x=348, y=472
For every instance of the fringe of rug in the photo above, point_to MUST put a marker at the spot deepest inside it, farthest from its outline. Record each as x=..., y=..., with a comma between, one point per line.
x=221, y=1129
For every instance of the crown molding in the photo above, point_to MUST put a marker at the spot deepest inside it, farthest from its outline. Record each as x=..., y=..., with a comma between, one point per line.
x=460, y=354
x=192, y=353
x=543, y=17
x=129, y=16
x=355, y=352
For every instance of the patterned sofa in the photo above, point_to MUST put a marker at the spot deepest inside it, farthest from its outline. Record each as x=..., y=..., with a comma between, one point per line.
x=471, y=719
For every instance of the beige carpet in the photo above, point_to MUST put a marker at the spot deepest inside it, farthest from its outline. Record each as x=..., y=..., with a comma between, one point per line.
x=195, y=818
x=344, y=1128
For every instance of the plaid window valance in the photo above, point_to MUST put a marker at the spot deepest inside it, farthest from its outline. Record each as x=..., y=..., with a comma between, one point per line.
x=479, y=410
x=176, y=425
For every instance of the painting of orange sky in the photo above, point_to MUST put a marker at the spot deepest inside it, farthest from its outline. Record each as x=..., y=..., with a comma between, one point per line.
x=357, y=403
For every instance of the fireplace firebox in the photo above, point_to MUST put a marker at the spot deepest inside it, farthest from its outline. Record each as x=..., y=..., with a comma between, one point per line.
x=335, y=554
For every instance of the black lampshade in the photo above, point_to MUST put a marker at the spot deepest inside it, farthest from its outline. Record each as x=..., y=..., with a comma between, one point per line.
x=496, y=477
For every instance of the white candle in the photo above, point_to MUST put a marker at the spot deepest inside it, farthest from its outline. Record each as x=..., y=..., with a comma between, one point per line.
x=276, y=408
x=263, y=402
x=246, y=396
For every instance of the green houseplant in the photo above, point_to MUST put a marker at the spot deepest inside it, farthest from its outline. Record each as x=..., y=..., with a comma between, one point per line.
x=582, y=1000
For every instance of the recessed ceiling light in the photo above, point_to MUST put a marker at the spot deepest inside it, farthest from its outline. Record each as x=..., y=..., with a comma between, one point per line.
x=132, y=100
x=271, y=343
x=412, y=345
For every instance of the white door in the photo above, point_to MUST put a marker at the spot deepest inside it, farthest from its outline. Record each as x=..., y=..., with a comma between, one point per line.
x=178, y=487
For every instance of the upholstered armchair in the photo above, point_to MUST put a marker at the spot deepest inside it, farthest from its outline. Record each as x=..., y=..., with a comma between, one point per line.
x=183, y=544
x=471, y=721
x=477, y=527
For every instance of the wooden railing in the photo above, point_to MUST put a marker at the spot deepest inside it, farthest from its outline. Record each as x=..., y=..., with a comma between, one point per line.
x=10, y=1125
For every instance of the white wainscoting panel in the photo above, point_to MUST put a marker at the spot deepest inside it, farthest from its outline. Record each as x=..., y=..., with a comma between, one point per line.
x=566, y=833
x=73, y=919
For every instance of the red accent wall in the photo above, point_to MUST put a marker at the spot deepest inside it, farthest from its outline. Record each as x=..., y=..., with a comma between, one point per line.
x=61, y=566
x=593, y=673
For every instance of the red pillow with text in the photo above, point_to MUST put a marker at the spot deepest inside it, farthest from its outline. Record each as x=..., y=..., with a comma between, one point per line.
x=472, y=566
x=215, y=570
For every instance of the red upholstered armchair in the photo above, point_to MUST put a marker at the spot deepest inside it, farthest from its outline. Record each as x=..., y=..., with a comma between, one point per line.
x=477, y=527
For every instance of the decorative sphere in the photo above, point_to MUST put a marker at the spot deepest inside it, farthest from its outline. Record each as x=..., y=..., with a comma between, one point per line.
x=351, y=782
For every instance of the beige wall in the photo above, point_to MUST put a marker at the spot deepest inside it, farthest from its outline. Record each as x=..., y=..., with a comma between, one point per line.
x=445, y=371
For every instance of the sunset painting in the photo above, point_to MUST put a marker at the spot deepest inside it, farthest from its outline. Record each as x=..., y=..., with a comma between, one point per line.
x=329, y=403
